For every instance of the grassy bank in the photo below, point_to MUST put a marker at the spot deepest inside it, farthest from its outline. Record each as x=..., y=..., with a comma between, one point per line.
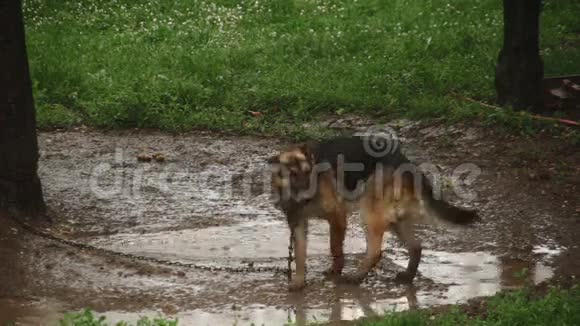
x=557, y=307
x=177, y=65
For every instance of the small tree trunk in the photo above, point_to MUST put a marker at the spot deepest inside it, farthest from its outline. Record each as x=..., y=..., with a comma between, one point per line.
x=20, y=188
x=520, y=70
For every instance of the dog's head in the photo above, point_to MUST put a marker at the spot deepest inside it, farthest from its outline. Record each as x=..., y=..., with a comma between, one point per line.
x=291, y=175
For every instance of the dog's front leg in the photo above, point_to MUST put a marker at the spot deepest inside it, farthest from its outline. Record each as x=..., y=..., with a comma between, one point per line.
x=337, y=222
x=300, y=230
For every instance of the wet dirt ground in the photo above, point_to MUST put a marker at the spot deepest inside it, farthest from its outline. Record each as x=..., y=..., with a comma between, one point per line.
x=207, y=203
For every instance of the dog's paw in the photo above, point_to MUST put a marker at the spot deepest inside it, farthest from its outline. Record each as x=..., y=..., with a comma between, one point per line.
x=296, y=285
x=352, y=279
x=404, y=277
x=332, y=272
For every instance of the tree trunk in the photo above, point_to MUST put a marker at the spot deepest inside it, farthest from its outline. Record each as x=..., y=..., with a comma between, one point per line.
x=20, y=188
x=520, y=70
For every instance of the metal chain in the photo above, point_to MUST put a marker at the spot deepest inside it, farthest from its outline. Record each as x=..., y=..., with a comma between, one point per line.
x=290, y=256
x=83, y=246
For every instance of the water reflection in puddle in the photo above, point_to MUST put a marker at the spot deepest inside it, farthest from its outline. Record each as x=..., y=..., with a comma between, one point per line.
x=459, y=276
x=41, y=312
x=258, y=239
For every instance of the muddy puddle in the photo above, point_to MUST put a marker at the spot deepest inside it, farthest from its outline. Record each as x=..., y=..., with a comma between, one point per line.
x=446, y=277
x=207, y=204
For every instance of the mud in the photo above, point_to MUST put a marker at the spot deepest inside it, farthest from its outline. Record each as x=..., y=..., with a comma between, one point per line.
x=206, y=203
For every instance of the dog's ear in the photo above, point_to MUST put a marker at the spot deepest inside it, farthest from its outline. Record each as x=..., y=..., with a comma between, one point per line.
x=306, y=149
x=274, y=159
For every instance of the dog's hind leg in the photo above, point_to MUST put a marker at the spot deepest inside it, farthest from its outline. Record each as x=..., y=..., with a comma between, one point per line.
x=373, y=211
x=405, y=231
x=376, y=230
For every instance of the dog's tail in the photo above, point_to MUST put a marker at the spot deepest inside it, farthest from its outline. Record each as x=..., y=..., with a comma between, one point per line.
x=442, y=210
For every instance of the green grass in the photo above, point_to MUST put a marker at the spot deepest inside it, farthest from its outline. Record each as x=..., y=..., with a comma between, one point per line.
x=87, y=318
x=558, y=307
x=177, y=65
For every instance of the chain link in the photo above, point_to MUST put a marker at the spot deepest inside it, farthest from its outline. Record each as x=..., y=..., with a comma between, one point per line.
x=290, y=252
x=250, y=268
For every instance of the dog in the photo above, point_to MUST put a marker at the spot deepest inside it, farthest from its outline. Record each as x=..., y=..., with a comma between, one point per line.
x=331, y=178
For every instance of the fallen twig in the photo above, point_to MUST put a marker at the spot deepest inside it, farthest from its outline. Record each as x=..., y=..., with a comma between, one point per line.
x=538, y=117
x=562, y=121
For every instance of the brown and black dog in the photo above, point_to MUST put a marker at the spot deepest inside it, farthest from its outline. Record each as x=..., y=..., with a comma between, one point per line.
x=329, y=178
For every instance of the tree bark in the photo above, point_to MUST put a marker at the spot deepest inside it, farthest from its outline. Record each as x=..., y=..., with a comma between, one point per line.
x=520, y=70
x=20, y=188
